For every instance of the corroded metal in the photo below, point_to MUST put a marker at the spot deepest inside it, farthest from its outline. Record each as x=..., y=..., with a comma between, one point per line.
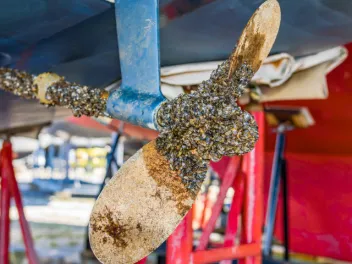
x=207, y=124
x=82, y=100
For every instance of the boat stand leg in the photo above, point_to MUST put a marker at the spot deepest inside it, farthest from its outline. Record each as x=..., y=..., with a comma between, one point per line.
x=253, y=167
x=273, y=192
x=179, y=245
x=4, y=212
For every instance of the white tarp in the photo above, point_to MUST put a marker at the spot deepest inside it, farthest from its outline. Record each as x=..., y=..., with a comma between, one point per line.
x=281, y=77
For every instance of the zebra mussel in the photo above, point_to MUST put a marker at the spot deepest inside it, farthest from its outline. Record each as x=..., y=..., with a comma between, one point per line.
x=206, y=125
x=17, y=82
x=82, y=100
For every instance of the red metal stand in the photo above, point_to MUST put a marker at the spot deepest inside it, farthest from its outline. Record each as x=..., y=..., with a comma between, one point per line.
x=247, y=180
x=180, y=243
x=228, y=179
x=9, y=188
x=142, y=261
x=252, y=221
x=4, y=211
x=235, y=211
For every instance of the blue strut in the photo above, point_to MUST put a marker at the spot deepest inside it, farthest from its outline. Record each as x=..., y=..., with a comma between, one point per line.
x=137, y=99
x=274, y=190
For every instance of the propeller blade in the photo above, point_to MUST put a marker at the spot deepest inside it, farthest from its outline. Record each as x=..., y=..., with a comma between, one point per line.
x=138, y=208
x=145, y=201
x=258, y=37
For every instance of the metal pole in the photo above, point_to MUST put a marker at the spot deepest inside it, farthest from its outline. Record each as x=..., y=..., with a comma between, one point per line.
x=232, y=170
x=285, y=208
x=234, y=213
x=4, y=212
x=67, y=147
x=274, y=191
x=110, y=159
x=16, y=194
x=136, y=101
x=180, y=243
x=253, y=168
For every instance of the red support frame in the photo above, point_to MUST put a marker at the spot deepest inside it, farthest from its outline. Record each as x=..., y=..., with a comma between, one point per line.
x=235, y=252
x=234, y=213
x=4, y=212
x=253, y=167
x=9, y=188
x=142, y=261
x=180, y=243
x=232, y=170
x=248, y=185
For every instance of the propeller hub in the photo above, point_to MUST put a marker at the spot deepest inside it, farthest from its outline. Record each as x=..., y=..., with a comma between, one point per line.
x=207, y=124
